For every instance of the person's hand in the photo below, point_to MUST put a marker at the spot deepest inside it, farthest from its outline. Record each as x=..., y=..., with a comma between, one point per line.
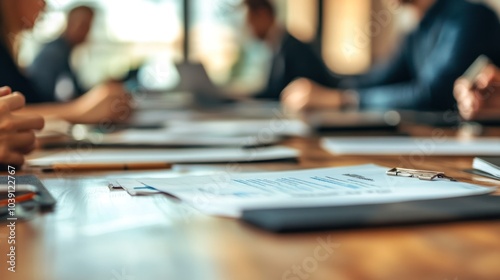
x=480, y=100
x=305, y=95
x=17, y=137
x=106, y=103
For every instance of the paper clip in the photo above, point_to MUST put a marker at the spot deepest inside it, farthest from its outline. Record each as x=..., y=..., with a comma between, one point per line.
x=420, y=174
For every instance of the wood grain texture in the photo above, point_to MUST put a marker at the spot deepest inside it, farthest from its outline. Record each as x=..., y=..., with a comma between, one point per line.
x=95, y=233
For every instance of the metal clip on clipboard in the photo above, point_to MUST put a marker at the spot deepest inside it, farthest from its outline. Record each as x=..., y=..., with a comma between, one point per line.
x=420, y=174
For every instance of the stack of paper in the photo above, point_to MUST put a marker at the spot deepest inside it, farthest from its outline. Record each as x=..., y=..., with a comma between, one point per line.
x=229, y=194
x=447, y=146
x=147, y=156
x=258, y=128
x=163, y=137
x=201, y=133
x=488, y=165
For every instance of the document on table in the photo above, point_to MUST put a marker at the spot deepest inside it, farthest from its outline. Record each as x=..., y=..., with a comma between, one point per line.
x=129, y=183
x=146, y=156
x=162, y=137
x=447, y=146
x=229, y=194
x=257, y=128
x=132, y=186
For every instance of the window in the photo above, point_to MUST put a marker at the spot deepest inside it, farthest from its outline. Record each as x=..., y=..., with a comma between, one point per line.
x=129, y=34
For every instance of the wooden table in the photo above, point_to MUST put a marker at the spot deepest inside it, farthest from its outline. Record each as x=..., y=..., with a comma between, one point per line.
x=98, y=234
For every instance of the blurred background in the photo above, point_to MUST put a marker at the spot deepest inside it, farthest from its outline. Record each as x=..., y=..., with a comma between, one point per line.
x=350, y=35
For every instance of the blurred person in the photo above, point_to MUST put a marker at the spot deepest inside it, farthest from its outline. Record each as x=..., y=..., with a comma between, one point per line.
x=450, y=36
x=291, y=59
x=51, y=72
x=480, y=100
x=17, y=137
x=106, y=103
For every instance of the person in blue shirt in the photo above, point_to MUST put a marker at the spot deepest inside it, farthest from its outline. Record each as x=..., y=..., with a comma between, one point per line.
x=51, y=71
x=421, y=75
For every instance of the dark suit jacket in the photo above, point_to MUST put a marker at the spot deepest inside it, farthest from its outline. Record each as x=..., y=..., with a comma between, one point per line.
x=10, y=75
x=422, y=74
x=295, y=59
x=51, y=66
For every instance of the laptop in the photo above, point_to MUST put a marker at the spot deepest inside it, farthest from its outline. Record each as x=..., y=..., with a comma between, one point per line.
x=194, y=78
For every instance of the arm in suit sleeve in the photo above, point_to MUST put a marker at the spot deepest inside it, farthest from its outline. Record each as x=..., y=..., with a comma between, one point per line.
x=303, y=62
x=395, y=70
x=460, y=42
x=294, y=60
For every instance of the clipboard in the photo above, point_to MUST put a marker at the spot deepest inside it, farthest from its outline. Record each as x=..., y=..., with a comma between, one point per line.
x=381, y=214
x=481, y=207
x=425, y=175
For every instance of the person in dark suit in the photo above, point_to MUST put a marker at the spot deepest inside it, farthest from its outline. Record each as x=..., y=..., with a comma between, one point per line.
x=51, y=71
x=421, y=75
x=292, y=58
x=480, y=100
x=103, y=104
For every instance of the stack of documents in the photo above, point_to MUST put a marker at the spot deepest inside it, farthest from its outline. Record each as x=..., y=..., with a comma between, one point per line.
x=258, y=128
x=489, y=166
x=228, y=194
x=130, y=158
x=446, y=146
x=164, y=138
x=189, y=134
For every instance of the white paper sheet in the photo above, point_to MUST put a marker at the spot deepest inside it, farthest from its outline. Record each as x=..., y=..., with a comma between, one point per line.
x=162, y=137
x=129, y=183
x=137, y=156
x=436, y=146
x=133, y=187
x=229, y=194
x=486, y=166
x=257, y=128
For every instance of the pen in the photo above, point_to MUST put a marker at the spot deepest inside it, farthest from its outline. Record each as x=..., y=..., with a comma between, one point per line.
x=105, y=166
x=475, y=70
x=20, y=198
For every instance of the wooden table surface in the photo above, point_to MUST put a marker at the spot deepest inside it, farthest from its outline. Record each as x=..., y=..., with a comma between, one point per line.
x=98, y=234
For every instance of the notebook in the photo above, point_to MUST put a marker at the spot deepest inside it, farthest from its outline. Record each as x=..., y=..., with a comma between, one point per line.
x=425, y=146
x=488, y=165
